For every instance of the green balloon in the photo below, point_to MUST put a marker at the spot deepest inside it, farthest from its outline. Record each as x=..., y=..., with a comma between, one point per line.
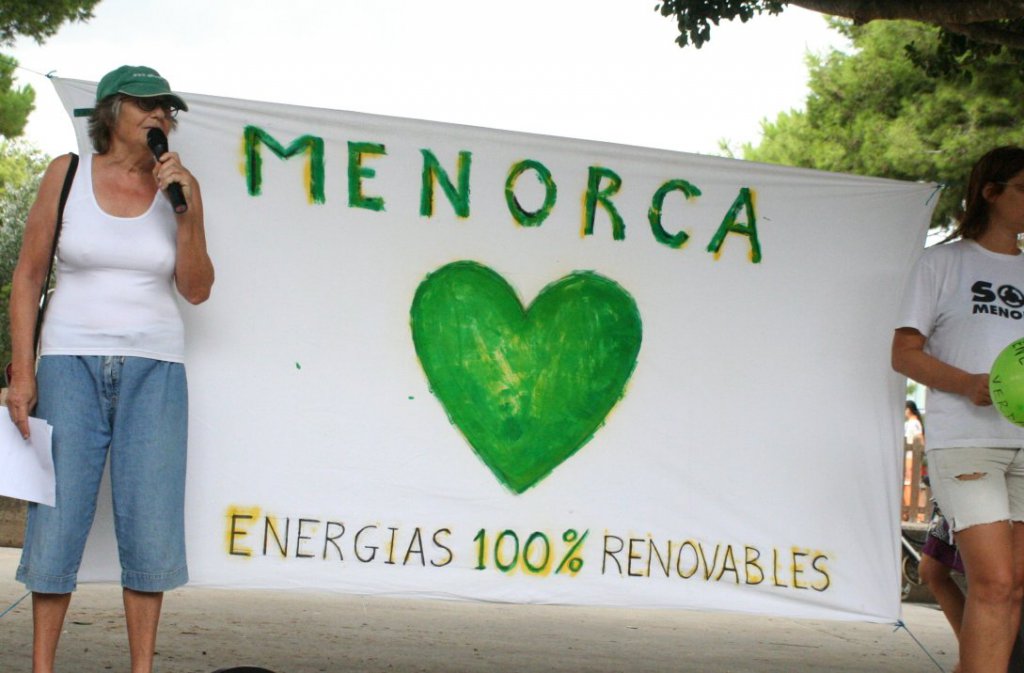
x=1006, y=382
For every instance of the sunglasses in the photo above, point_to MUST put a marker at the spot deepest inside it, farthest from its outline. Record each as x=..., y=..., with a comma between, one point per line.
x=150, y=104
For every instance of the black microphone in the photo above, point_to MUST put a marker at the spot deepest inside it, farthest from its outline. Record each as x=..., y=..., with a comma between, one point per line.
x=157, y=141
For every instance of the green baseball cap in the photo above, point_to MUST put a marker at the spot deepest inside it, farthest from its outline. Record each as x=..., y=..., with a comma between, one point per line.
x=133, y=80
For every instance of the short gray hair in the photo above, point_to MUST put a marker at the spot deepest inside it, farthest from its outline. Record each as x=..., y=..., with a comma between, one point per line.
x=103, y=120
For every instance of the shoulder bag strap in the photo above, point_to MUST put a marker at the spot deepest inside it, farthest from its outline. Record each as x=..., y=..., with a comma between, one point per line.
x=65, y=190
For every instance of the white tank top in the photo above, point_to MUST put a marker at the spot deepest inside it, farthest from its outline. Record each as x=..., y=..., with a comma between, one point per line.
x=115, y=281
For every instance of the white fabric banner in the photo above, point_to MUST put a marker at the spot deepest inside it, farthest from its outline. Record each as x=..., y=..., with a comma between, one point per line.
x=463, y=363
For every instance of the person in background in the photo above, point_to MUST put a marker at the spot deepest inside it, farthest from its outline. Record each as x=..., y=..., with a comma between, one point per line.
x=946, y=339
x=939, y=560
x=110, y=379
x=913, y=431
x=913, y=426
x=939, y=555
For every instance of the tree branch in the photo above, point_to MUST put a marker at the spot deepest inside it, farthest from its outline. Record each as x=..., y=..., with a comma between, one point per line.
x=987, y=33
x=927, y=11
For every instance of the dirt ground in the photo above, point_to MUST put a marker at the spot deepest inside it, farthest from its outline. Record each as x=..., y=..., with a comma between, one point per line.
x=12, y=521
x=299, y=632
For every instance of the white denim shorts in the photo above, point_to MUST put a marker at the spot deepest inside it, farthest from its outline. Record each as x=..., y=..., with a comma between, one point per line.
x=978, y=485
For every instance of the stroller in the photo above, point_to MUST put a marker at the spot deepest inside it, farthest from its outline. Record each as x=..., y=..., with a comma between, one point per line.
x=912, y=539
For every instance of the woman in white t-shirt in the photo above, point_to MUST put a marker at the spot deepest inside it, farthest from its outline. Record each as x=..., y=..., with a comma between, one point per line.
x=963, y=304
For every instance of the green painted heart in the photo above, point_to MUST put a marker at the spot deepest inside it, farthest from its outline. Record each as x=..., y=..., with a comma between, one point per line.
x=527, y=387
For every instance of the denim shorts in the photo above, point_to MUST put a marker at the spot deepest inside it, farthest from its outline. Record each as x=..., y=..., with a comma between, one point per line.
x=978, y=485
x=135, y=409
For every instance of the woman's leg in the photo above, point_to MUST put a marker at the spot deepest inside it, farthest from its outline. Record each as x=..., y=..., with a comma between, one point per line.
x=48, y=612
x=147, y=471
x=142, y=614
x=55, y=536
x=947, y=593
x=992, y=610
x=980, y=490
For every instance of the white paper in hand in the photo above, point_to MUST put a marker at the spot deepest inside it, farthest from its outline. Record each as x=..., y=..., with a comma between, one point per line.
x=26, y=466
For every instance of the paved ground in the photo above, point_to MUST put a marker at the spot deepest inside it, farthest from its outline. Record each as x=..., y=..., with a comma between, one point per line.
x=295, y=632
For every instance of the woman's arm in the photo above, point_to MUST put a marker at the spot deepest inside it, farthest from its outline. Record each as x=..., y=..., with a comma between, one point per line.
x=26, y=285
x=193, y=271
x=909, y=359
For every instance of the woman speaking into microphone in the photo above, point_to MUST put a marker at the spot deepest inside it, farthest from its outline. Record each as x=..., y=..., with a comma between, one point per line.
x=111, y=378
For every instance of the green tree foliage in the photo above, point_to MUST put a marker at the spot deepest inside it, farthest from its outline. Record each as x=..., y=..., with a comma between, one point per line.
x=694, y=17
x=20, y=164
x=38, y=19
x=15, y=103
x=999, y=22
x=21, y=167
x=874, y=112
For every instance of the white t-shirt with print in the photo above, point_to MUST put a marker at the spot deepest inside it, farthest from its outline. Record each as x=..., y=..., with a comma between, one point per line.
x=969, y=303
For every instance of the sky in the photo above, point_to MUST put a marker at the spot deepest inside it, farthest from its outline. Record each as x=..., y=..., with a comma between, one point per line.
x=606, y=70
